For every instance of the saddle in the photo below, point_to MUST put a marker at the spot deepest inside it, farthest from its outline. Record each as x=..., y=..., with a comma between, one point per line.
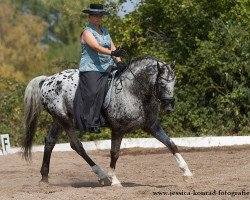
x=108, y=89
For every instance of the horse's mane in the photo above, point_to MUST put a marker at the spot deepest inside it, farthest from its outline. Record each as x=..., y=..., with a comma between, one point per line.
x=140, y=58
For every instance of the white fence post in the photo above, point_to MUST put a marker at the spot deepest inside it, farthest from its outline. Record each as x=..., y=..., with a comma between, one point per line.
x=5, y=144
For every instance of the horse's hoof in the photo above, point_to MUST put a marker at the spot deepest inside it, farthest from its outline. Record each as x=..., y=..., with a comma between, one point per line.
x=188, y=177
x=105, y=181
x=117, y=185
x=188, y=174
x=44, y=183
x=45, y=180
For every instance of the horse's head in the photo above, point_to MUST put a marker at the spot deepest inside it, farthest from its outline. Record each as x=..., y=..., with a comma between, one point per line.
x=165, y=86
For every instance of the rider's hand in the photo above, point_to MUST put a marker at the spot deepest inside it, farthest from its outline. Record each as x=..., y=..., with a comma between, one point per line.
x=117, y=52
x=121, y=66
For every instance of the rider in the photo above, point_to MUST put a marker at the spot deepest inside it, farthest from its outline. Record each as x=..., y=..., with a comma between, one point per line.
x=97, y=56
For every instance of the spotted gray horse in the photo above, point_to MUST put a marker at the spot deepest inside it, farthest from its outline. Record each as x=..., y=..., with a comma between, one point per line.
x=136, y=95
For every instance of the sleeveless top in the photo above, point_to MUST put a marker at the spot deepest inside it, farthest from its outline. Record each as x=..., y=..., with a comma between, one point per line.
x=90, y=59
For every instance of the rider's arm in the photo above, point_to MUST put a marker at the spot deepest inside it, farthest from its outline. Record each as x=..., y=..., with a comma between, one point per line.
x=88, y=37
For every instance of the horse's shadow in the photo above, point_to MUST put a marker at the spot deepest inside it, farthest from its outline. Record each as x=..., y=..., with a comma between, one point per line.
x=129, y=184
x=83, y=184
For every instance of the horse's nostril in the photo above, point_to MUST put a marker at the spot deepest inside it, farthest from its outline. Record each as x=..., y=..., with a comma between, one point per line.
x=170, y=108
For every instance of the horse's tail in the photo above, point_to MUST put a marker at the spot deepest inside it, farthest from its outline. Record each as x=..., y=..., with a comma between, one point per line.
x=32, y=109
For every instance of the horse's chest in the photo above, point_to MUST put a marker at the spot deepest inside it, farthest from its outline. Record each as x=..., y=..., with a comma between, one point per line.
x=126, y=109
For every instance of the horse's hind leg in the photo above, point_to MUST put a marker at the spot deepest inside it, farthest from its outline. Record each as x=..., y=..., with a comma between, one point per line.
x=50, y=141
x=78, y=147
x=115, y=149
x=157, y=131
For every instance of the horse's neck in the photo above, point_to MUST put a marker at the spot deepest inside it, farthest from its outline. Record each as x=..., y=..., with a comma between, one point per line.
x=140, y=78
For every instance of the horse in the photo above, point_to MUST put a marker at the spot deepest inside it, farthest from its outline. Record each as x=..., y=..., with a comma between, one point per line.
x=138, y=91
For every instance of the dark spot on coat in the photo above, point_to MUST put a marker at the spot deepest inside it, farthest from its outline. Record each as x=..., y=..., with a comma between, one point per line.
x=49, y=83
x=58, y=88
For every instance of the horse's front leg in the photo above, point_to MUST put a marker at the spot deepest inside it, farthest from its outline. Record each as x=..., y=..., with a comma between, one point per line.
x=157, y=131
x=114, y=153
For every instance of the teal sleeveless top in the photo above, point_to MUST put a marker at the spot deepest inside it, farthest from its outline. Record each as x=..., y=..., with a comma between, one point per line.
x=92, y=60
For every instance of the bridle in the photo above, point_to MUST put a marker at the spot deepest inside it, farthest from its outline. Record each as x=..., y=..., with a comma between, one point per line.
x=166, y=100
x=169, y=100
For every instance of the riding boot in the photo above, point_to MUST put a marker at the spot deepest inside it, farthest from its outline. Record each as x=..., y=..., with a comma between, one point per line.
x=103, y=121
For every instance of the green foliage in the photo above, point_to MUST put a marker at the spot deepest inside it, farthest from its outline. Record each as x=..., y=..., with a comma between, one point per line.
x=10, y=110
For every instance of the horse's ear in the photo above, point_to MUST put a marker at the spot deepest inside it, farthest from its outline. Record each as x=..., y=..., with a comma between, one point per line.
x=173, y=64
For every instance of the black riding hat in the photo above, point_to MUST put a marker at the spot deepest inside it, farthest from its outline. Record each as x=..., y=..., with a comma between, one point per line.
x=95, y=9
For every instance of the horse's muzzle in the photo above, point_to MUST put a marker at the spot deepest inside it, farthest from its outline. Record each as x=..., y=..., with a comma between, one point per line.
x=168, y=105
